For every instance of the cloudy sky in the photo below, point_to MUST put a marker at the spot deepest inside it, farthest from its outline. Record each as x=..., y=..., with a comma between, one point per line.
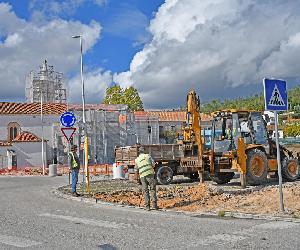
x=221, y=48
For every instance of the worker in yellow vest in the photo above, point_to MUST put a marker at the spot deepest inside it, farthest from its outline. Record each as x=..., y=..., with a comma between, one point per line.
x=74, y=167
x=145, y=166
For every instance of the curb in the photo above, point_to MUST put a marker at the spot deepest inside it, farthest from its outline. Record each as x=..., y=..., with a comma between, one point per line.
x=211, y=214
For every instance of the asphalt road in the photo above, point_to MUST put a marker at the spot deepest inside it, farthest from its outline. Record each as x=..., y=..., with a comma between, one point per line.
x=32, y=217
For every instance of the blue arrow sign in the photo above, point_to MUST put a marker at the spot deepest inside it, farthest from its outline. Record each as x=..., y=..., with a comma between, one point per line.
x=275, y=95
x=67, y=119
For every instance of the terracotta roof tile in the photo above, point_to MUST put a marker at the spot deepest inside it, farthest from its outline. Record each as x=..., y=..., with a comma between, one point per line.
x=13, y=108
x=165, y=116
x=107, y=107
x=26, y=137
x=5, y=143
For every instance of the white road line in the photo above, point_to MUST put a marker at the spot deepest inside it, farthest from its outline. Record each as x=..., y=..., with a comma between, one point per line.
x=220, y=239
x=92, y=222
x=17, y=241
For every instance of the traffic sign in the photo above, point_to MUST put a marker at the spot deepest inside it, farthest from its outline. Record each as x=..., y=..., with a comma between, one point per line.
x=67, y=119
x=275, y=95
x=68, y=133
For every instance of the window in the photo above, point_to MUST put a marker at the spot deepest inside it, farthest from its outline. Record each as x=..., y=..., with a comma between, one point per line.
x=13, y=130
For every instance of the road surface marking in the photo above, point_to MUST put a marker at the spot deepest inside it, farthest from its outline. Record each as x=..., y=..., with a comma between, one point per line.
x=238, y=235
x=17, y=241
x=92, y=222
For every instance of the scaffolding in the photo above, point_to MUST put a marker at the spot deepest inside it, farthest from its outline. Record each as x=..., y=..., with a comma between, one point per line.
x=47, y=83
x=147, y=128
x=105, y=130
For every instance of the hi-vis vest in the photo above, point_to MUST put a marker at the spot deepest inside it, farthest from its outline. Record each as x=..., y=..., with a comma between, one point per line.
x=73, y=161
x=144, y=165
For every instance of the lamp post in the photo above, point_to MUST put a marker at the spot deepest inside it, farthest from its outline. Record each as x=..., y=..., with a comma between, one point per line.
x=83, y=117
x=42, y=126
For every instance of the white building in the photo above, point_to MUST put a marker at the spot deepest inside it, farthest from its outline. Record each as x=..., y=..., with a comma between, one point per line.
x=21, y=133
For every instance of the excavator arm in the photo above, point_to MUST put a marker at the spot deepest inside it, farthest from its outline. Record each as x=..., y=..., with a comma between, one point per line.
x=192, y=142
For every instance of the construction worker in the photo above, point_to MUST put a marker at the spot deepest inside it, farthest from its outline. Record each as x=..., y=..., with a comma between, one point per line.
x=74, y=167
x=145, y=167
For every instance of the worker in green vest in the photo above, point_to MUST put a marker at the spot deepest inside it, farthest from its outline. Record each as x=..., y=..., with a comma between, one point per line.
x=145, y=166
x=74, y=167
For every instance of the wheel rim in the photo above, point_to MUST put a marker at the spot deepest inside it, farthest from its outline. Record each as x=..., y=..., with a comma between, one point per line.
x=165, y=175
x=293, y=168
x=257, y=166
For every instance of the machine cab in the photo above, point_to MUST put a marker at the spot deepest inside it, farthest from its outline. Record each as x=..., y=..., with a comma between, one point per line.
x=230, y=125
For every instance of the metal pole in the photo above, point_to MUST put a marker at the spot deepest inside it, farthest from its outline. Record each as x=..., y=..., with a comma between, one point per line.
x=83, y=108
x=279, y=163
x=42, y=127
x=85, y=169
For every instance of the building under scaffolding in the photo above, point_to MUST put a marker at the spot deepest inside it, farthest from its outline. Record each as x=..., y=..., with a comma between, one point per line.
x=47, y=83
x=107, y=127
x=146, y=127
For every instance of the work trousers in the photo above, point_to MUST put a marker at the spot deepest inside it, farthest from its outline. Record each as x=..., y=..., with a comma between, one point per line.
x=149, y=182
x=74, y=179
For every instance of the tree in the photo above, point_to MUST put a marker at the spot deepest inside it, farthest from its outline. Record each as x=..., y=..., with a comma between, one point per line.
x=132, y=99
x=292, y=130
x=128, y=96
x=114, y=95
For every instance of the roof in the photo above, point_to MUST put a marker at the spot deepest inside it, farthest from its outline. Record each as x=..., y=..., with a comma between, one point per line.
x=165, y=116
x=107, y=107
x=26, y=136
x=14, y=108
x=4, y=143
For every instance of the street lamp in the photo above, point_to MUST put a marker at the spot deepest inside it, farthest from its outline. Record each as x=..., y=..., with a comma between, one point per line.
x=83, y=115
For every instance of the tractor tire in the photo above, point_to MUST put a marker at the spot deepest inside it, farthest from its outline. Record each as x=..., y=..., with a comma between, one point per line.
x=194, y=176
x=290, y=169
x=257, y=167
x=164, y=175
x=222, y=178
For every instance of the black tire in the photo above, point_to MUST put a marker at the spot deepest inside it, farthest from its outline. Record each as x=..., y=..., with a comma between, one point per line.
x=164, y=175
x=194, y=176
x=257, y=167
x=290, y=169
x=222, y=178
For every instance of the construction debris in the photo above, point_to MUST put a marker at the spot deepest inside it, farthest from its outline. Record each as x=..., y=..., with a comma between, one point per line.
x=207, y=197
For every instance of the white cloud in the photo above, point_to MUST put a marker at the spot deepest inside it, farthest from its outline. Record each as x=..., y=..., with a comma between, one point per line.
x=51, y=8
x=218, y=47
x=25, y=44
x=95, y=83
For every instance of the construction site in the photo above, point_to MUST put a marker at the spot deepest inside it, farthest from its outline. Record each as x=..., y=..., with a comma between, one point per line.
x=225, y=161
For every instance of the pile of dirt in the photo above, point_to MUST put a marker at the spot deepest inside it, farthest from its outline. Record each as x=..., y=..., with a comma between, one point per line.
x=206, y=198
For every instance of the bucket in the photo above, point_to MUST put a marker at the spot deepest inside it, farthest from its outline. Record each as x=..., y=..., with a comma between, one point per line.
x=52, y=170
x=118, y=171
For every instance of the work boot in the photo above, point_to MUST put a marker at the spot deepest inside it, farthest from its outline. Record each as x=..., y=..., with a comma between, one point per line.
x=75, y=194
x=155, y=207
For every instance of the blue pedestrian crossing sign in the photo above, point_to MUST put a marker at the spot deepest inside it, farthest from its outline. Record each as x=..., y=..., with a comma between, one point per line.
x=275, y=95
x=67, y=119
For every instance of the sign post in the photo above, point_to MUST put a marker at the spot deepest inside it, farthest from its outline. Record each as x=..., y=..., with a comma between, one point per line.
x=276, y=100
x=68, y=120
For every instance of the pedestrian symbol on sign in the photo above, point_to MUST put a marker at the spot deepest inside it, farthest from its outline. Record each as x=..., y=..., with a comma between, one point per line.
x=275, y=95
x=276, y=99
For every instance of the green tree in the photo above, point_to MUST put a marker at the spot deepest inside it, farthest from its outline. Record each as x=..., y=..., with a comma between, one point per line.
x=132, y=99
x=114, y=95
x=292, y=130
x=129, y=96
